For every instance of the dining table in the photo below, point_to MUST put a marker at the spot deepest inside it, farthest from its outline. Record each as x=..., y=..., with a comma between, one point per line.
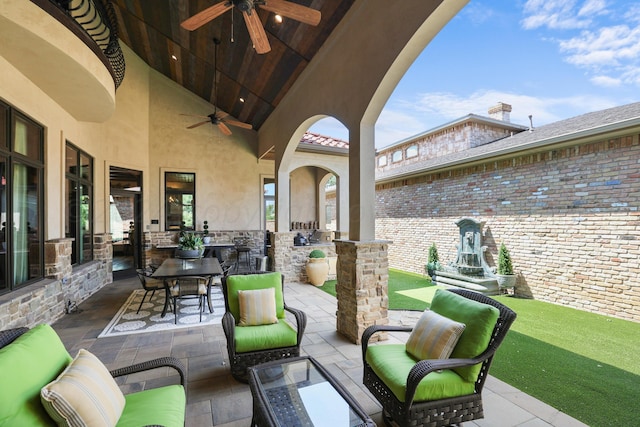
x=176, y=268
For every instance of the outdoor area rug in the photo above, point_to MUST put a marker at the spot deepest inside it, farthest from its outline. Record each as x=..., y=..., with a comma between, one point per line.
x=127, y=321
x=423, y=294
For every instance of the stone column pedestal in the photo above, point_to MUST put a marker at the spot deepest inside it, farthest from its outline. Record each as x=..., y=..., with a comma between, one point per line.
x=362, y=289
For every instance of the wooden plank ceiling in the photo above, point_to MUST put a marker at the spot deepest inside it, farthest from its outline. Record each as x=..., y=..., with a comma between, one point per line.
x=151, y=28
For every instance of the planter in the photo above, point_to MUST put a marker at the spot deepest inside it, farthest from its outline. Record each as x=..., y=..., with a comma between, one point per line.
x=506, y=280
x=317, y=271
x=206, y=240
x=189, y=253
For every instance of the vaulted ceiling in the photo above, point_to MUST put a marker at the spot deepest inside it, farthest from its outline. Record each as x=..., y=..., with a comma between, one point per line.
x=151, y=28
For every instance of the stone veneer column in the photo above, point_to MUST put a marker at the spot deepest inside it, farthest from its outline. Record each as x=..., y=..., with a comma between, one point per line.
x=363, y=278
x=57, y=258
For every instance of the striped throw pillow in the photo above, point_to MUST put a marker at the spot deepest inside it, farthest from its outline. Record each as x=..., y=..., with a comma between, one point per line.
x=257, y=307
x=84, y=394
x=434, y=336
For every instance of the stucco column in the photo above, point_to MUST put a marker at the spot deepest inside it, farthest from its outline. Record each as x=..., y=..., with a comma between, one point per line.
x=363, y=278
x=282, y=199
x=362, y=194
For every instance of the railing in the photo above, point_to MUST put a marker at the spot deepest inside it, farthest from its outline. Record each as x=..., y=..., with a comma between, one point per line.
x=94, y=22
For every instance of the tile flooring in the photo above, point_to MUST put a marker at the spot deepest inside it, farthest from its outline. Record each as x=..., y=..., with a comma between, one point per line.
x=214, y=398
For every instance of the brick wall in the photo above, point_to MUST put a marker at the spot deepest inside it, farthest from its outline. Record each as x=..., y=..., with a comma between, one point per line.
x=569, y=217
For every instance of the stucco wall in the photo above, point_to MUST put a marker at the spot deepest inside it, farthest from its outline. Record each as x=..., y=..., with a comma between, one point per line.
x=568, y=216
x=228, y=175
x=303, y=194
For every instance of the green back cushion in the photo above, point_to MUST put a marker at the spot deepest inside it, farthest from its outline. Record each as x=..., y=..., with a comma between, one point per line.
x=250, y=282
x=29, y=363
x=480, y=320
x=392, y=363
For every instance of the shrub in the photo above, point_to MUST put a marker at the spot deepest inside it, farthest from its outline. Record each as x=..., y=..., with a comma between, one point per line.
x=317, y=253
x=505, y=266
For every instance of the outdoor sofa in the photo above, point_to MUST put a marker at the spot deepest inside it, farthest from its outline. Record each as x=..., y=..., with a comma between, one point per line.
x=42, y=385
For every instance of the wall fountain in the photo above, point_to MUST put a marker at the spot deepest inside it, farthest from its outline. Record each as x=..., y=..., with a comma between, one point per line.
x=470, y=270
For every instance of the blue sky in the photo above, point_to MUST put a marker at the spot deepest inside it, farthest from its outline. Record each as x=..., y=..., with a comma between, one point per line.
x=553, y=59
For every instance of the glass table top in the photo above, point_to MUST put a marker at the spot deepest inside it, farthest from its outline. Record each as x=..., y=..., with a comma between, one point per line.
x=302, y=393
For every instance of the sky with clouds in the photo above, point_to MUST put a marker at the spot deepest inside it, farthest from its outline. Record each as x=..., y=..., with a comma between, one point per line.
x=552, y=59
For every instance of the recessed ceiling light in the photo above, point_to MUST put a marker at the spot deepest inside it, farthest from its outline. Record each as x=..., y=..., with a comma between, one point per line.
x=278, y=19
x=175, y=58
x=241, y=99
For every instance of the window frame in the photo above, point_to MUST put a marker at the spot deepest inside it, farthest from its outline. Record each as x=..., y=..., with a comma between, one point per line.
x=166, y=202
x=80, y=247
x=32, y=162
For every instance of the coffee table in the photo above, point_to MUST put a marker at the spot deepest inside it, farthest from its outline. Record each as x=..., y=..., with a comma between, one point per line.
x=299, y=391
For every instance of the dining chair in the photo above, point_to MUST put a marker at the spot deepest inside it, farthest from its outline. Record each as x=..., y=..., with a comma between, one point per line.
x=149, y=284
x=190, y=287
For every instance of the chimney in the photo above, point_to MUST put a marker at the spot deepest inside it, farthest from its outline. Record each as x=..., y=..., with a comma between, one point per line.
x=500, y=112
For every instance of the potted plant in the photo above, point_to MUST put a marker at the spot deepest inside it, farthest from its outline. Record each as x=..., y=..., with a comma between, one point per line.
x=190, y=245
x=317, y=267
x=504, y=274
x=433, y=262
x=206, y=238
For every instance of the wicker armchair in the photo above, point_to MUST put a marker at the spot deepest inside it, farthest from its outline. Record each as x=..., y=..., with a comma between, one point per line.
x=41, y=347
x=444, y=411
x=243, y=346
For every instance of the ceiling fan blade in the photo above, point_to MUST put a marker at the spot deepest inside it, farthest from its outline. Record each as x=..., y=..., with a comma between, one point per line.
x=209, y=14
x=294, y=11
x=199, y=124
x=224, y=129
x=238, y=124
x=256, y=32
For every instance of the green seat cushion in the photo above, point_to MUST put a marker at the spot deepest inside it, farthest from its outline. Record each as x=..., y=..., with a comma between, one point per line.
x=264, y=337
x=480, y=320
x=163, y=406
x=250, y=282
x=33, y=360
x=392, y=364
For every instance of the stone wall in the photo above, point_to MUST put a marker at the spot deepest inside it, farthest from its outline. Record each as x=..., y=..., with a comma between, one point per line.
x=569, y=216
x=291, y=260
x=46, y=300
x=154, y=255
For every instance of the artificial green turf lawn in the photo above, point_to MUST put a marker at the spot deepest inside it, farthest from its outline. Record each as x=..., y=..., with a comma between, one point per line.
x=398, y=281
x=583, y=364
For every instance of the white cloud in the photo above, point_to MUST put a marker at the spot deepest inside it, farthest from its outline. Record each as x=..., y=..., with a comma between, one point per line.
x=609, y=47
x=560, y=14
x=606, y=81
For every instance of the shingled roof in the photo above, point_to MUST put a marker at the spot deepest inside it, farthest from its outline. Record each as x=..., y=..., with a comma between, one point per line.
x=586, y=125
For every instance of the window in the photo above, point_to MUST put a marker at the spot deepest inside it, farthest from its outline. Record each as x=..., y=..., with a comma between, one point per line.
x=79, y=196
x=180, y=200
x=412, y=151
x=382, y=161
x=269, y=191
x=21, y=199
x=396, y=156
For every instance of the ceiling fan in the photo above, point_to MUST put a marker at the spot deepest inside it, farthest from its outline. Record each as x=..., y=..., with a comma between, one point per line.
x=258, y=36
x=218, y=118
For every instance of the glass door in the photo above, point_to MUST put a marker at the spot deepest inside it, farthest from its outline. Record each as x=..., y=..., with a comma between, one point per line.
x=125, y=220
